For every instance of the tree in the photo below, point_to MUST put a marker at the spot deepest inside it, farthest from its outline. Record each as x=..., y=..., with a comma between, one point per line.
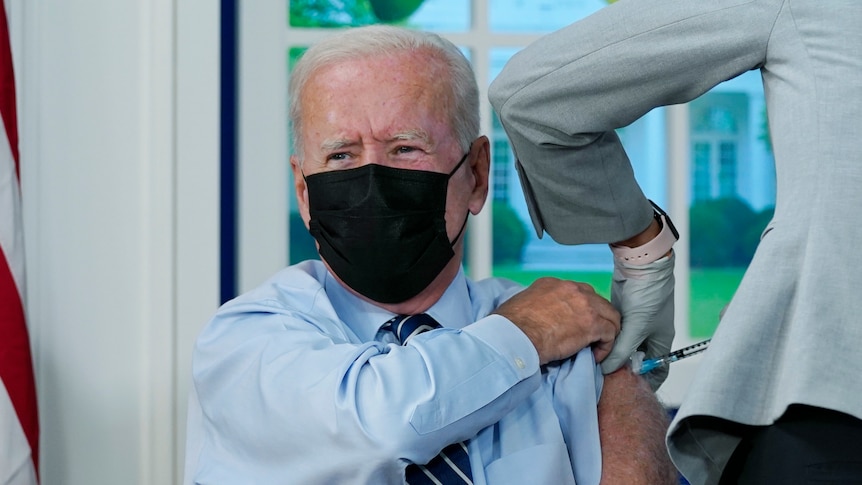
x=725, y=232
x=350, y=13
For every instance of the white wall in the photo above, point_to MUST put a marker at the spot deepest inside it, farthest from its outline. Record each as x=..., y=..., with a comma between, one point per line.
x=118, y=107
x=263, y=195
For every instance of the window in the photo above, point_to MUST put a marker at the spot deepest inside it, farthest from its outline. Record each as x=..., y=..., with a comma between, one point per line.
x=723, y=173
x=701, y=173
x=732, y=193
x=727, y=169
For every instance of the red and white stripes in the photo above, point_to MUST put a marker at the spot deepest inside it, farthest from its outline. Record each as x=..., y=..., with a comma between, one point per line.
x=19, y=422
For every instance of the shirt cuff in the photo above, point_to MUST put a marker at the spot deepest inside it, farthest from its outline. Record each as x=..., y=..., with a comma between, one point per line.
x=499, y=333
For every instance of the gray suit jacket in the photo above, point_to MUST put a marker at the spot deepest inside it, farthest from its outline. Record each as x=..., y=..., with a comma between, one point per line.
x=793, y=331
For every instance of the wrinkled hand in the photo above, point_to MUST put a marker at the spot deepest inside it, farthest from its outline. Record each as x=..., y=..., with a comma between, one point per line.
x=562, y=317
x=643, y=294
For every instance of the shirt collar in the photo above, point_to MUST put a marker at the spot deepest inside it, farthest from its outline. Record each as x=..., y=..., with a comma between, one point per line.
x=452, y=310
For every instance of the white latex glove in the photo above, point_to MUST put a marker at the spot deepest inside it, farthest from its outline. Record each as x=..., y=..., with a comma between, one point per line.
x=643, y=294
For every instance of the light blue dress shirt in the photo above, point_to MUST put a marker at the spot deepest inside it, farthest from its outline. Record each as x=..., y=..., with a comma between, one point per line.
x=295, y=383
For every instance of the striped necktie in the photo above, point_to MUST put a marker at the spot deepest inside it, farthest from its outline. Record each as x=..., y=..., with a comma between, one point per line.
x=452, y=465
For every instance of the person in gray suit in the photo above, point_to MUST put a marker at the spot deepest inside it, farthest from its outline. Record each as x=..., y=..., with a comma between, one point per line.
x=778, y=396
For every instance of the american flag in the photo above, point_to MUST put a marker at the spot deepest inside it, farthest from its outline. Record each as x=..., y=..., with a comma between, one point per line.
x=19, y=422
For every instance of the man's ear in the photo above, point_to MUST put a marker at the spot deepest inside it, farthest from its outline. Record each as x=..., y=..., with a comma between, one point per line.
x=300, y=188
x=480, y=165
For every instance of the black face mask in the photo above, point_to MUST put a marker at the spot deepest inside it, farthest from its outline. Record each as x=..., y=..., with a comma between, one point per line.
x=382, y=230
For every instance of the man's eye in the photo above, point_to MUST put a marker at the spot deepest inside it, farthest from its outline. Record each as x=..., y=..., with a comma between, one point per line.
x=405, y=149
x=337, y=156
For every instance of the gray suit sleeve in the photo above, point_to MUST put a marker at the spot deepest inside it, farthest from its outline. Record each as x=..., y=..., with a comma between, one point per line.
x=561, y=98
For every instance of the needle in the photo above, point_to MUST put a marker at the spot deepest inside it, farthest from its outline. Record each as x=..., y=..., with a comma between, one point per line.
x=650, y=364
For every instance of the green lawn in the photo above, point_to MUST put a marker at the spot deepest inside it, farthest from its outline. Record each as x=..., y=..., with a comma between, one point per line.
x=711, y=289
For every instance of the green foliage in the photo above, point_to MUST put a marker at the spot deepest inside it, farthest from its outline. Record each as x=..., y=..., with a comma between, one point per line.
x=349, y=13
x=394, y=10
x=510, y=235
x=330, y=13
x=725, y=232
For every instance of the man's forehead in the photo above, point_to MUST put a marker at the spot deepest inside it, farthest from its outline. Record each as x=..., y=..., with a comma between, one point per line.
x=371, y=100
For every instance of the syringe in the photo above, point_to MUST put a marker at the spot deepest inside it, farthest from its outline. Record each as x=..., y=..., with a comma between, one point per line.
x=650, y=364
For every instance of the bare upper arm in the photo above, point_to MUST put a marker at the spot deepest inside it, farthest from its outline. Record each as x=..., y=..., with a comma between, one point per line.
x=632, y=428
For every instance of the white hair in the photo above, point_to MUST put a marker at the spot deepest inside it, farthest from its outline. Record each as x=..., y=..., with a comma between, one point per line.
x=385, y=40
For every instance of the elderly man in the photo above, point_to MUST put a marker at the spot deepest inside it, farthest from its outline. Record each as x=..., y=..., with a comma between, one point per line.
x=382, y=363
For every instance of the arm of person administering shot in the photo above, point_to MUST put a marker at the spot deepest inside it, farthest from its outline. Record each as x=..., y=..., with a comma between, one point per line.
x=560, y=107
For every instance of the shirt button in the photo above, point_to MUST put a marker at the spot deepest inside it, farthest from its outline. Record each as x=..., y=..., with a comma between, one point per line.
x=520, y=363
